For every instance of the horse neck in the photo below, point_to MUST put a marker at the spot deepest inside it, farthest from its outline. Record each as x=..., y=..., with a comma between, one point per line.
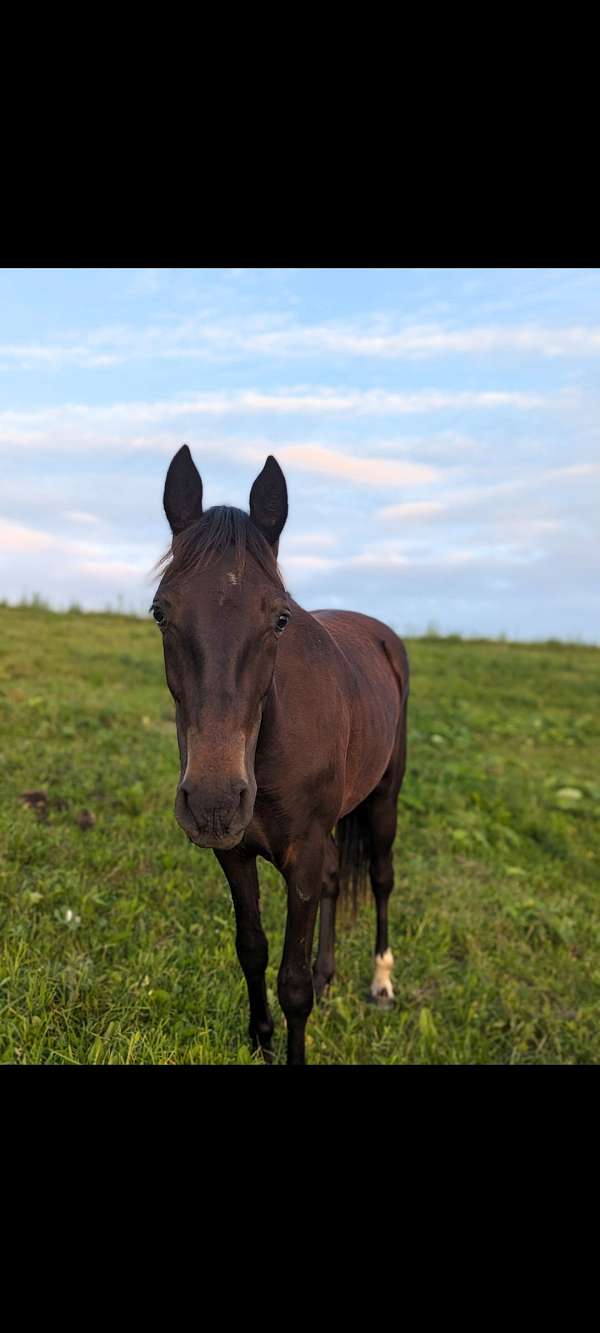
x=306, y=648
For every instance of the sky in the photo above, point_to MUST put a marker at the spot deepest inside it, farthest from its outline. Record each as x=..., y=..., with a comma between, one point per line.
x=439, y=431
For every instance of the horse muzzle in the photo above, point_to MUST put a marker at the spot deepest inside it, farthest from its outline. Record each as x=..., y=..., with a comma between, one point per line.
x=217, y=820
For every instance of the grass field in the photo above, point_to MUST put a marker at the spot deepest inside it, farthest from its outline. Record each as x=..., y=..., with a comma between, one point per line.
x=117, y=935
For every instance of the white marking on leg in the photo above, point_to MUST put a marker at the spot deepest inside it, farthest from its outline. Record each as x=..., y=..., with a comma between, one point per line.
x=381, y=983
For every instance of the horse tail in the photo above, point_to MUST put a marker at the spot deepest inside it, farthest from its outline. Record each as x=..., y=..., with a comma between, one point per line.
x=353, y=839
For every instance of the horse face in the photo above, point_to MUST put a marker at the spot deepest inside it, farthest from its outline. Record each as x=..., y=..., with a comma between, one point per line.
x=220, y=619
x=220, y=635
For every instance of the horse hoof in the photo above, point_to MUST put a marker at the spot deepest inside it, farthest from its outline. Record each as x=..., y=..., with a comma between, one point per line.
x=381, y=1001
x=265, y=1051
x=266, y=1055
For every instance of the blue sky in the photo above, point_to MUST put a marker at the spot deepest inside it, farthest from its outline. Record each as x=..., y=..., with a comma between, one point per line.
x=438, y=428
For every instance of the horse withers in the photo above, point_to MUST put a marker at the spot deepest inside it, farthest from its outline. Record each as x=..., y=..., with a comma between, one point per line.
x=290, y=724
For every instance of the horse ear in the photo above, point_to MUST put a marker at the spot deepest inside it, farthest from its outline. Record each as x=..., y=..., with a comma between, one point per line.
x=182, y=498
x=269, y=503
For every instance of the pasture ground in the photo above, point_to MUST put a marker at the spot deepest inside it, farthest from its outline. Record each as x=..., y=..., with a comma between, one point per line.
x=117, y=935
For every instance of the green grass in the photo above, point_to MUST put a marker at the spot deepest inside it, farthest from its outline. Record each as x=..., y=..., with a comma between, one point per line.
x=117, y=940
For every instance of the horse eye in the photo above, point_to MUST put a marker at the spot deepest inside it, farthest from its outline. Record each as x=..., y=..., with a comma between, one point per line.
x=281, y=622
x=159, y=615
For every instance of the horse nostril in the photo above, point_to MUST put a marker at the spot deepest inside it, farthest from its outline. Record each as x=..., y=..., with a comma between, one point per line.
x=238, y=788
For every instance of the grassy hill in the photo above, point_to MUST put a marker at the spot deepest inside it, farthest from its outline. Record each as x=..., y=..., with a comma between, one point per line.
x=117, y=935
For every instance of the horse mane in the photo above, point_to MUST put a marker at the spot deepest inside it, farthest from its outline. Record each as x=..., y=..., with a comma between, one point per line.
x=220, y=529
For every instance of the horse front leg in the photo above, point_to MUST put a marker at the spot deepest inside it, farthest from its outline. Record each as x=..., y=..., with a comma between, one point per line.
x=250, y=942
x=303, y=875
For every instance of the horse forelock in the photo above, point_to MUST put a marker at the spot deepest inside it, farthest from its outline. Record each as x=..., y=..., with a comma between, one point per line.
x=222, y=528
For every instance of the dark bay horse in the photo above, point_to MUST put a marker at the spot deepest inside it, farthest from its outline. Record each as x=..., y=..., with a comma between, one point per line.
x=290, y=724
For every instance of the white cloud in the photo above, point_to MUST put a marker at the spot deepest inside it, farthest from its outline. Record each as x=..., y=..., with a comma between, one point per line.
x=81, y=425
x=416, y=509
x=18, y=539
x=382, y=558
x=309, y=539
x=148, y=281
x=302, y=564
x=446, y=444
x=474, y=498
x=79, y=516
x=365, y=471
x=210, y=336
x=432, y=340
x=387, y=561
x=113, y=568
